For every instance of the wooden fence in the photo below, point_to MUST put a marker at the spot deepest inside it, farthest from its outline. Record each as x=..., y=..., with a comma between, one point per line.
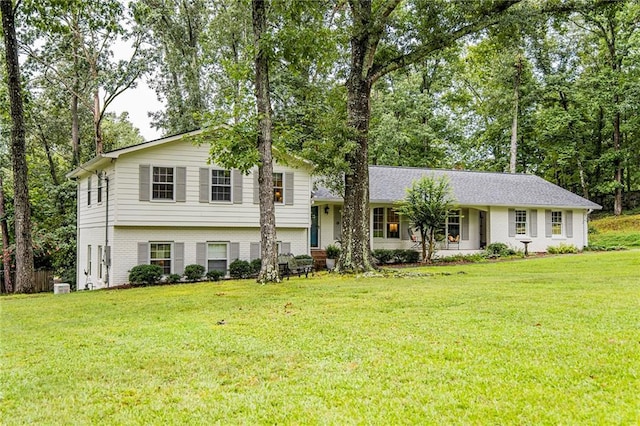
x=42, y=281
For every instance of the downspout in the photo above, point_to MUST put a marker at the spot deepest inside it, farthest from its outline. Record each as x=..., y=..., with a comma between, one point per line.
x=107, y=249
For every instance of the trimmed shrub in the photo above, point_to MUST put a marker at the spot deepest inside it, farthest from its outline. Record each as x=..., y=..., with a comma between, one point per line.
x=172, y=278
x=239, y=269
x=215, y=275
x=499, y=249
x=562, y=248
x=408, y=256
x=256, y=264
x=383, y=255
x=145, y=274
x=194, y=272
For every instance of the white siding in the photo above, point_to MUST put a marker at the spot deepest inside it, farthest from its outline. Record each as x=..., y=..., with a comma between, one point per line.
x=498, y=229
x=125, y=253
x=132, y=212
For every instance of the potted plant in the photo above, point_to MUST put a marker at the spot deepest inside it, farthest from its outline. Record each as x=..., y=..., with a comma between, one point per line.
x=333, y=252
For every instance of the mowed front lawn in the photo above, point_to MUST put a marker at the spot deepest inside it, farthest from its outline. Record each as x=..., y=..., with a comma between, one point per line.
x=552, y=340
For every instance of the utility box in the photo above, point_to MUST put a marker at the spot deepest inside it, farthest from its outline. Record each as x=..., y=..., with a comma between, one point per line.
x=61, y=288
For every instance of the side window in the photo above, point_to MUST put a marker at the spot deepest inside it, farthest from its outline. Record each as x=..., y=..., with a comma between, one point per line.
x=453, y=225
x=393, y=224
x=163, y=183
x=100, y=183
x=556, y=223
x=89, y=190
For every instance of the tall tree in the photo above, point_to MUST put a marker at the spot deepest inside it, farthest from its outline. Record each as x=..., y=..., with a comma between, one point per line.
x=380, y=45
x=24, y=248
x=6, y=253
x=269, y=268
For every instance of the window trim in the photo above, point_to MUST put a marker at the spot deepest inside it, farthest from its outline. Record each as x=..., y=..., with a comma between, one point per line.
x=454, y=214
x=211, y=185
x=171, y=258
x=381, y=222
x=152, y=183
x=99, y=189
x=89, y=179
x=389, y=224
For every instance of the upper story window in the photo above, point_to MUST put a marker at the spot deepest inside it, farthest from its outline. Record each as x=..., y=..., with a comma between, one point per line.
x=521, y=222
x=162, y=183
x=89, y=190
x=278, y=188
x=393, y=224
x=220, y=185
x=378, y=222
x=556, y=223
x=100, y=183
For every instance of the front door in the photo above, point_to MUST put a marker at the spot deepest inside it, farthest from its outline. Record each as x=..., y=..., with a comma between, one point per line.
x=314, y=227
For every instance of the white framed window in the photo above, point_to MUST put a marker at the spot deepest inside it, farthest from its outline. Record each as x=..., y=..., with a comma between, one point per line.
x=99, y=261
x=393, y=223
x=378, y=222
x=89, y=190
x=218, y=257
x=556, y=223
x=278, y=188
x=163, y=183
x=89, y=264
x=220, y=185
x=160, y=253
x=100, y=183
x=521, y=222
x=453, y=225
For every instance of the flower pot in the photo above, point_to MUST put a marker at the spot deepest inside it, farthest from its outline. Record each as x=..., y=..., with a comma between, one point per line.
x=331, y=263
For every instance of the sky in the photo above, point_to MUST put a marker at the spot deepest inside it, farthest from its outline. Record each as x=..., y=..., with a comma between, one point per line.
x=138, y=103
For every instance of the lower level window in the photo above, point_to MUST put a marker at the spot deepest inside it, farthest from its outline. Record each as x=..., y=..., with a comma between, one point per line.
x=160, y=254
x=217, y=257
x=521, y=222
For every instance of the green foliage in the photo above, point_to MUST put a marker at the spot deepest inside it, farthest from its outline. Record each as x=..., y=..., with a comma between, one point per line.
x=562, y=248
x=239, y=269
x=499, y=250
x=333, y=251
x=173, y=278
x=214, y=275
x=406, y=256
x=464, y=258
x=256, y=265
x=145, y=274
x=383, y=255
x=426, y=206
x=194, y=272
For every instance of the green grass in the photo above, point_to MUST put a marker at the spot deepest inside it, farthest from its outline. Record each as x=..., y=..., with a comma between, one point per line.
x=552, y=340
x=612, y=231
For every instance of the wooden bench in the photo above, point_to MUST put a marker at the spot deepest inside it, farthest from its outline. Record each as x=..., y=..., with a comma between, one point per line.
x=288, y=265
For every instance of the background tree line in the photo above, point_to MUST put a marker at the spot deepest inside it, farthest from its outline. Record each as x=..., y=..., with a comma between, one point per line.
x=539, y=87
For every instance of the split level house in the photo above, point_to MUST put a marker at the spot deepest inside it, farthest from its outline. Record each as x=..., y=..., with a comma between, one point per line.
x=162, y=202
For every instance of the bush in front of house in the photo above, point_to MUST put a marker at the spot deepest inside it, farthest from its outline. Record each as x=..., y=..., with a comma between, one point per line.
x=255, y=265
x=562, y=248
x=214, y=275
x=145, y=274
x=499, y=250
x=173, y=278
x=239, y=269
x=406, y=256
x=383, y=255
x=194, y=272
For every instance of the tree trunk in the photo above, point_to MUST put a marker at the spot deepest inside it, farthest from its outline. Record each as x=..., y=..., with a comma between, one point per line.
x=97, y=119
x=514, y=125
x=6, y=253
x=617, y=163
x=355, y=255
x=269, y=268
x=75, y=129
x=24, y=248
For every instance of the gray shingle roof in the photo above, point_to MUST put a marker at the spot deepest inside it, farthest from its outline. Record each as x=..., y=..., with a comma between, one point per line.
x=388, y=184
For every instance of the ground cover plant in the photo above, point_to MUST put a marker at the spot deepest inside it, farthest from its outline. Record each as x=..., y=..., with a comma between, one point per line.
x=609, y=232
x=551, y=340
